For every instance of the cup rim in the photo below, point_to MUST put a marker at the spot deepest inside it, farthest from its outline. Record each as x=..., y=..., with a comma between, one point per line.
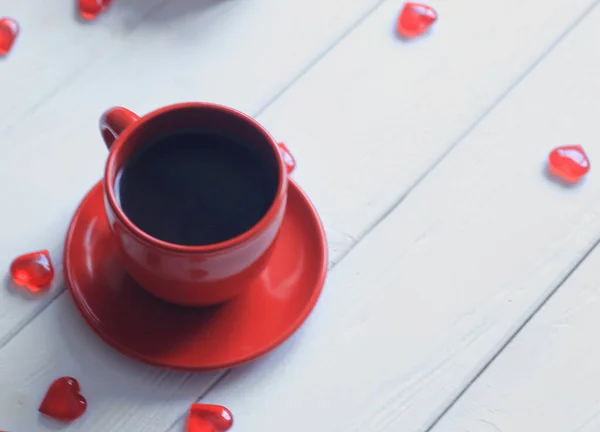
x=261, y=225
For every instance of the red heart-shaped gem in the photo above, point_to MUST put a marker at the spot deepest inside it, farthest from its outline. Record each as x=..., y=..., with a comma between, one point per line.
x=415, y=19
x=288, y=159
x=90, y=9
x=569, y=163
x=9, y=30
x=63, y=400
x=209, y=418
x=33, y=271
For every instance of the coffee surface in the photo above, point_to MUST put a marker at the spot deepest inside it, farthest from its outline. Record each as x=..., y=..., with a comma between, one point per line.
x=195, y=188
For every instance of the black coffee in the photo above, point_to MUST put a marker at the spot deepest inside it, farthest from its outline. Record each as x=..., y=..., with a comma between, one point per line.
x=196, y=188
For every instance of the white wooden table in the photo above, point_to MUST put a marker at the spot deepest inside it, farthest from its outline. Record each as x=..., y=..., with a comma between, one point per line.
x=464, y=291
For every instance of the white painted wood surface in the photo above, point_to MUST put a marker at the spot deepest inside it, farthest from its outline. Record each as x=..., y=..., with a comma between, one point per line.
x=547, y=379
x=54, y=47
x=405, y=319
x=413, y=313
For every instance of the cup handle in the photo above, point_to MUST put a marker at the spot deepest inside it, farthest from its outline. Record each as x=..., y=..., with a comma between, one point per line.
x=114, y=121
x=286, y=156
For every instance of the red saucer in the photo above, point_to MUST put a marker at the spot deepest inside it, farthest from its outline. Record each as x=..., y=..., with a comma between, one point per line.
x=158, y=333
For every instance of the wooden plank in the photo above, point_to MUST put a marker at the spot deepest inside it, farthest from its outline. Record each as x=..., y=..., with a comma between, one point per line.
x=122, y=395
x=547, y=378
x=415, y=311
x=379, y=298
x=376, y=114
x=165, y=51
x=54, y=46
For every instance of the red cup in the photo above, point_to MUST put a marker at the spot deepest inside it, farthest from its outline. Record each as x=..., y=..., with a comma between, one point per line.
x=191, y=275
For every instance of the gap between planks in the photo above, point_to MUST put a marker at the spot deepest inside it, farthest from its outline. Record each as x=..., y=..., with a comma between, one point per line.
x=429, y=169
x=543, y=301
x=399, y=201
x=70, y=79
x=520, y=326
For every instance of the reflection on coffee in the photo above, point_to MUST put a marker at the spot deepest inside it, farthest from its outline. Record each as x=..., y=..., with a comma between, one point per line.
x=196, y=188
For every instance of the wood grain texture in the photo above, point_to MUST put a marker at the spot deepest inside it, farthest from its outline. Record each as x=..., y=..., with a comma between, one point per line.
x=547, y=378
x=359, y=153
x=54, y=46
x=153, y=52
x=413, y=313
x=377, y=113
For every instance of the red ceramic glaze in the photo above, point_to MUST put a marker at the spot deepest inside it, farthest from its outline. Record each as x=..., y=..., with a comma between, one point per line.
x=190, y=275
x=415, y=19
x=141, y=326
x=569, y=163
x=9, y=30
x=209, y=418
x=288, y=159
x=63, y=400
x=33, y=271
x=90, y=9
